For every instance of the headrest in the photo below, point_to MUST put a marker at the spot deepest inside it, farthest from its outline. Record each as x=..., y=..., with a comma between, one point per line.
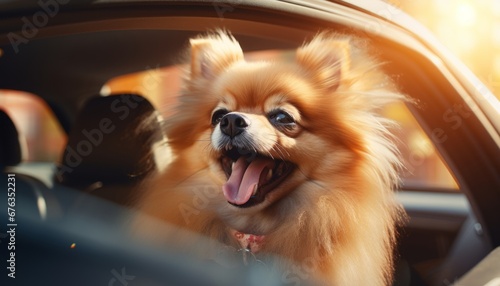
x=10, y=147
x=110, y=142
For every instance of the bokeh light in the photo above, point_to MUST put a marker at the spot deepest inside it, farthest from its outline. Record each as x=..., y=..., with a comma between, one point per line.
x=470, y=29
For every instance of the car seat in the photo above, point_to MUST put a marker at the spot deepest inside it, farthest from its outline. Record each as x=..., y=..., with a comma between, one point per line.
x=110, y=147
x=31, y=194
x=10, y=148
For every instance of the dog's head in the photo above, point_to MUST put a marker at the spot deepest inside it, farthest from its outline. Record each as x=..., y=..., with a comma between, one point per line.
x=279, y=133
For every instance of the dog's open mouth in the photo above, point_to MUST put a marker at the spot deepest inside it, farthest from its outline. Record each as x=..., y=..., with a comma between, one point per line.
x=251, y=176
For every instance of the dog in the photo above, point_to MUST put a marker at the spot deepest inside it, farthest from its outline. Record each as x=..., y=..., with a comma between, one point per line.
x=288, y=158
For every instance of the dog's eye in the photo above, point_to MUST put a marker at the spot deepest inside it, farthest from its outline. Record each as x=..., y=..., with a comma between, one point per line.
x=217, y=116
x=281, y=118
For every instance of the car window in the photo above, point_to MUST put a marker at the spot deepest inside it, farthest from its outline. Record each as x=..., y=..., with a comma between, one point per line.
x=424, y=168
x=41, y=136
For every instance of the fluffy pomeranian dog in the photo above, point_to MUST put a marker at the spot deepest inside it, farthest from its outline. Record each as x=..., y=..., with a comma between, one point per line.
x=288, y=158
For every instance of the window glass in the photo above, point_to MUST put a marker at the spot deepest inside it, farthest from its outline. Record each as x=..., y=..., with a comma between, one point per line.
x=424, y=167
x=41, y=136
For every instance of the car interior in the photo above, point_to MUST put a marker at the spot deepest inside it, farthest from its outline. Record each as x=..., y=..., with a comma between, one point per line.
x=114, y=141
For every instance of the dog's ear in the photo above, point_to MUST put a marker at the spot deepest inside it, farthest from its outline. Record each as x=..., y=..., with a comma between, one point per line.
x=326, y=59
x=212, y=54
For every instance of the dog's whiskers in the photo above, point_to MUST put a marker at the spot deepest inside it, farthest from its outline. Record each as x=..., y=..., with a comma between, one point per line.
x=280, y=149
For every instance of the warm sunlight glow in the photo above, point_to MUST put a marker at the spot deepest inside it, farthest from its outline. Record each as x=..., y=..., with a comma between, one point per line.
x=465, y=14
x=420, y=143
x=470, y=29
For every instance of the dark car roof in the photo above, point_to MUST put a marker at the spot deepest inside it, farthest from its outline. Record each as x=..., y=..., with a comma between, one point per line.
x=88, y=42
x=71, y=50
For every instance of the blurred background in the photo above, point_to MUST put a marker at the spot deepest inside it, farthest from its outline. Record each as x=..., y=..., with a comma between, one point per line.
x=470, y=29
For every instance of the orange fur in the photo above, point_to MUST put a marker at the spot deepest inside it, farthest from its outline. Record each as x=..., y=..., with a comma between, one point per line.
x=336, y=211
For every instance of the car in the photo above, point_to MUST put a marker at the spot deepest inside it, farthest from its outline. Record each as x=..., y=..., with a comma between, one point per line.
x=107, y=71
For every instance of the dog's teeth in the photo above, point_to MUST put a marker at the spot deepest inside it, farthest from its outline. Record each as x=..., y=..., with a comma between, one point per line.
x=269, y=174
x=255, y=190
x=232, y=165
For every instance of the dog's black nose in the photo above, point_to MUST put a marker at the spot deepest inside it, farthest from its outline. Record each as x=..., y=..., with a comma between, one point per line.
x=233, y=124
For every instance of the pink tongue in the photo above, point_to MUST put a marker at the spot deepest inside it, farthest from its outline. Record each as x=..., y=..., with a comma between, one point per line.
x=239, y=187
